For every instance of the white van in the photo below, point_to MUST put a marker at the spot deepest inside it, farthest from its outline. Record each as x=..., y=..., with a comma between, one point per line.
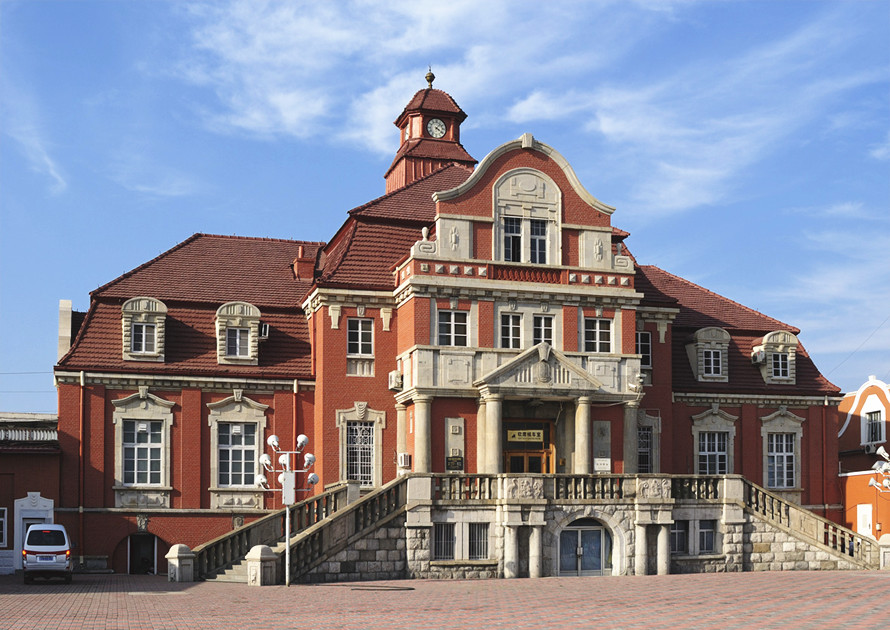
x=46, y=552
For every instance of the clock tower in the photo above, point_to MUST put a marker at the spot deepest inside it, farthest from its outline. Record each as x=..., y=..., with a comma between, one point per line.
x=429, y=129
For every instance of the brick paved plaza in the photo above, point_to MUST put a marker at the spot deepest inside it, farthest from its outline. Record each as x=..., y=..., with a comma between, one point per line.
x=818, y=599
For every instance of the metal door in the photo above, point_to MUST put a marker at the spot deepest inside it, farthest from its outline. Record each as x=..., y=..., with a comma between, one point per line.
x=584, y=551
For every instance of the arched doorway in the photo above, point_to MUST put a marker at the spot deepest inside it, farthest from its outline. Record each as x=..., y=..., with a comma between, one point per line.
x=585, y=548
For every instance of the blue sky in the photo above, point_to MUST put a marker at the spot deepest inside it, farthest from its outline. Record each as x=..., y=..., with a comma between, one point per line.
x=745, y=145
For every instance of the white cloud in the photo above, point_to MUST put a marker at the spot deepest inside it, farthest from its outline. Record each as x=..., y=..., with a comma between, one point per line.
x=21, y=123
x=882, y=151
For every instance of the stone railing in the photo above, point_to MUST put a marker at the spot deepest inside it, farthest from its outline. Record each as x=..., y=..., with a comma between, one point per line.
x=774, y=509
x=224, y=551
x=326, y=538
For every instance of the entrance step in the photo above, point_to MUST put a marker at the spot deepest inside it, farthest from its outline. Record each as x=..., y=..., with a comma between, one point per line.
x=236, y=573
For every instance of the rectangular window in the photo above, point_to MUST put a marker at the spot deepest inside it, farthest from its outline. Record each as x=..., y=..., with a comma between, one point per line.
x=779, y=365
x=538, y=241
x=780, y=460
x=542, y=329
x=510, y=331
x=2, y=527
x=443, y=541
x=360, y=452
x=707, y=536
x=452, y=328
x=680, y=537
x=712, y=452
x=644, y=449
x=874, y=427
x=142, y=452
x=478, y=541
x=359, y=336
x=142, y=338
x=711, y=362
x=237, y=342
x=597, y=335
x=644, y=349
x=512, y=239
x=237, y=454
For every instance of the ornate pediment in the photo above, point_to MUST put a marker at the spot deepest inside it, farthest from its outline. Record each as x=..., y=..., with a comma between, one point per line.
x=540, y=368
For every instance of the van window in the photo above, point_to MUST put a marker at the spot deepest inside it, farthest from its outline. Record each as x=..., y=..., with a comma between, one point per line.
x=46, y=538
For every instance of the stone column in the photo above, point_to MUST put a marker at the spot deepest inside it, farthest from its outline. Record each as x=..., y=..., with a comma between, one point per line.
x=631, y=437
x=535, y=552
x=511, y=551
x=481, y=454
x=422, y=444
x=401, y=433
x=582, y=436
x=664, y=549
x=494, y=434
x=641, y=558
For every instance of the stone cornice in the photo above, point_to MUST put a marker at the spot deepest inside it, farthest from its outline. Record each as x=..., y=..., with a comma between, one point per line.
x=167, y=381
x=700, y=399
x=582, y=295
x=346, y=297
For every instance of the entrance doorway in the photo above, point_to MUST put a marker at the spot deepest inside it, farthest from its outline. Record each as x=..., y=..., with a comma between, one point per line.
x=585, y=548
x=143, y=554
x=528, y=447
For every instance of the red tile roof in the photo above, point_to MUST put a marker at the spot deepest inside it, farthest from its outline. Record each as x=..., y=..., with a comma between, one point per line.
x=190, y=344
x=433, y=100
x=414, y=202
x=433, y=149
x=219, y=269
x=701, y=308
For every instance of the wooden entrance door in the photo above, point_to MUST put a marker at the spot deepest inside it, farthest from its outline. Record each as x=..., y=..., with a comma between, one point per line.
x=528, y=446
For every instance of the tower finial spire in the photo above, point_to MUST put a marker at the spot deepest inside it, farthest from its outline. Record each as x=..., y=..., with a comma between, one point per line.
x=430, y=77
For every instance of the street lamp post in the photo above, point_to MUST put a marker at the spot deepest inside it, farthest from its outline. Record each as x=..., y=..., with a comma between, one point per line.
x=287, y=481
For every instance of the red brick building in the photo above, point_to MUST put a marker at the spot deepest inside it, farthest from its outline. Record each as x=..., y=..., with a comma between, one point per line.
x=481, y=318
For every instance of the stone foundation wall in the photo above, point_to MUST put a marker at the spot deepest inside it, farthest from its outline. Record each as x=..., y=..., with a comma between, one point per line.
x=769, y=548
x=380, y=556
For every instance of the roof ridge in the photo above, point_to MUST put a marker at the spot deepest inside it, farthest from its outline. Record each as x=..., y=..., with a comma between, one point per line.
x=724, y=298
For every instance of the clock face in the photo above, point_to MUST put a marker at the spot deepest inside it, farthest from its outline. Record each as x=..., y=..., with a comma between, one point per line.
x=436, y=128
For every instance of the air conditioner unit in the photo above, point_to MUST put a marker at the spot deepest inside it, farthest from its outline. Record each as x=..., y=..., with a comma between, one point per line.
x=395, y=381
x=404, y=460
x=871, y=448
x=758, y=357
x=264, y=331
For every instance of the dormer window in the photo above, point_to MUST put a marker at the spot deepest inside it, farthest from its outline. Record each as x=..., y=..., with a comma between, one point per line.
x=776, y=356
x=708, y=354
x=237, y=334
x=143, y=325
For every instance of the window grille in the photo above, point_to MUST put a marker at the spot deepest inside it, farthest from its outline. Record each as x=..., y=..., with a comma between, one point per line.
x=142, y=452
x=712, y=452
x=510, y=331
x=597, y=335
x=360, y=452
x=680, y=537
x=452, y=328
x=443, y=541
x=707, y=536
x=644, y=348
x=780, y=460
x=644, y=449
x=478, y=541
x=874, y=427
x=542, y=329
x=359, y=337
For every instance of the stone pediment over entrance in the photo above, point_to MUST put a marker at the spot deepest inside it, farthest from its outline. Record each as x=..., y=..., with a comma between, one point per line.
x=540, y=371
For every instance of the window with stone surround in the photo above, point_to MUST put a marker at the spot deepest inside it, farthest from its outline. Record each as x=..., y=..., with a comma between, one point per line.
x=143, y=321
x=477, y=541
x=782, y=433
x=237, y=334
x=708, y=352
x=142, y=423
x=597, y=335
x=713, y=434
x=237, y=425
x=511, y=330
x=680, y=537
x=542, y=329
x=526, y=214
x=361, y=444
x=453, y=328
x=707, y=536
x=360, y=346
x=776, y=356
